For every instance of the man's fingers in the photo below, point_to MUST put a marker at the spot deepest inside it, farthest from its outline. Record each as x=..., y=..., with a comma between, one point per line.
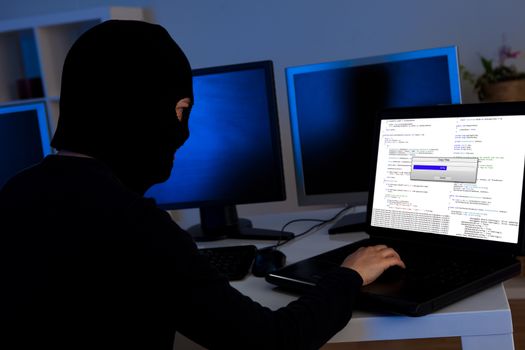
x=394, y=260
x=388, y=252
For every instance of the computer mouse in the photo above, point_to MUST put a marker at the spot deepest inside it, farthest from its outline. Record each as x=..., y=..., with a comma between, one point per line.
x=267, y=260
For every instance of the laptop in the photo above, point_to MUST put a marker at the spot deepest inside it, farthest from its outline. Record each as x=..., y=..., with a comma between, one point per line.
x=446, y=192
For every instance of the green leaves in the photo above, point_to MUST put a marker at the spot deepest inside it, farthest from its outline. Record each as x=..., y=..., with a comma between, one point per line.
x=487, y=65
x=491, y=74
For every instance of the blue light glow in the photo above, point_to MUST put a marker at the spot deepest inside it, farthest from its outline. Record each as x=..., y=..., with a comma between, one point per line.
x=230, y=157
x=333, y=106
x=24, y=138
x=430, y=167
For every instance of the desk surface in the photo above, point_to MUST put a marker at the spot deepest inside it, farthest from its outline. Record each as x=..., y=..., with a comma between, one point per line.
x=483, y=321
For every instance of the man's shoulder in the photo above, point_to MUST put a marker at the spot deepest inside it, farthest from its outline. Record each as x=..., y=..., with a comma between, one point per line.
x=66, y=183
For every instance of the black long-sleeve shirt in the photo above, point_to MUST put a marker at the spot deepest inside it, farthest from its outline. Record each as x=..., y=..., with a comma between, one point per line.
x=87, y=264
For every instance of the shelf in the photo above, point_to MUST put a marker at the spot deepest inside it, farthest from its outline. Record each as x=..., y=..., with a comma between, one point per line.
x=33, y=49
x=11, y=66
x=22, y=101
x=54, y=43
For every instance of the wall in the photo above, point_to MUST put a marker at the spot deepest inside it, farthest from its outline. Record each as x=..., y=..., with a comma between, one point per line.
x=294, y=32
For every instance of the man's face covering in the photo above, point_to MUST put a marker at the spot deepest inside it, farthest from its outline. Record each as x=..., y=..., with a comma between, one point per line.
x=120, y=84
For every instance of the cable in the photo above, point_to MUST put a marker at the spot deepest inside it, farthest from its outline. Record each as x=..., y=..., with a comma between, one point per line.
x=320, y=223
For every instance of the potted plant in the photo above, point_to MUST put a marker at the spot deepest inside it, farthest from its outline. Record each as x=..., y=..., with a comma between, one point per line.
x=498, y=83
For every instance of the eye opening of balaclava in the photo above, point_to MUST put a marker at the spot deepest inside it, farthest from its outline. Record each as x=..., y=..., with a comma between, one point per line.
x=120, y=84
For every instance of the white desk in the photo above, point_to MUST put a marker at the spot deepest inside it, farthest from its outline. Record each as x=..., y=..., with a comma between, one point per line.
x=483, y=321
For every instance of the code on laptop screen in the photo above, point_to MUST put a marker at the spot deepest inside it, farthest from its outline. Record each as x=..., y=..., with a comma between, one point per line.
x=452, y=176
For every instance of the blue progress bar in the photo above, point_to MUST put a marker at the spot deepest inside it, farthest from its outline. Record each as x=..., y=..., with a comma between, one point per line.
x=430, y=167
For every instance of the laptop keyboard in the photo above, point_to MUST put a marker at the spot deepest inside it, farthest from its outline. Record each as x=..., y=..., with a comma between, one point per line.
x=429, y=269
x=436, y=272
x=234, y=262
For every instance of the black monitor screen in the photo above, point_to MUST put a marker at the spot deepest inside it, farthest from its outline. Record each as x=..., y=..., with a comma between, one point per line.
x=233, y=155
x=24, y=138
x=333, y=107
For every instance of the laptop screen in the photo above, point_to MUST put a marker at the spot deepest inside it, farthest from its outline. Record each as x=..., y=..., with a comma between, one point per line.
x=458, y=176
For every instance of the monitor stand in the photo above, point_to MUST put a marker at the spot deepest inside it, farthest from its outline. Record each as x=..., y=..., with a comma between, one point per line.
x=220, y=222
x=355, y=222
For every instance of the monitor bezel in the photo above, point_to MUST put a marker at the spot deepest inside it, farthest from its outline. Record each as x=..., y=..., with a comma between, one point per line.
x=267, y=67
x=443, y=111
x=354, y=198
x=43, y=123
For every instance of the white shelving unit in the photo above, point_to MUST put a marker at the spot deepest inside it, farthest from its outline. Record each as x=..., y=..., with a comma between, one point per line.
x=33, y=49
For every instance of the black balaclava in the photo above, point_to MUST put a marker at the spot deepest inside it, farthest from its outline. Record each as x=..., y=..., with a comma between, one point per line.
x=120, y=84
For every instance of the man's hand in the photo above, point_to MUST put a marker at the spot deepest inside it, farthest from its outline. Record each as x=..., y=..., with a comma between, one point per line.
x=371, y=262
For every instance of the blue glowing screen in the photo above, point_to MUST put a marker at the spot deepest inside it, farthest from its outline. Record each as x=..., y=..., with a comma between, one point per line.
x=233, y=153
x=333, y=108
x=24, y=138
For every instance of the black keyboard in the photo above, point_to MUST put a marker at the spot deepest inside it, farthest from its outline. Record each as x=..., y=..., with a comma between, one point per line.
x=233, y=262
x=433, y=269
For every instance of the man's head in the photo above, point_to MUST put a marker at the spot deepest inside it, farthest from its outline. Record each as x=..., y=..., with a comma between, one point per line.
x=121, y=83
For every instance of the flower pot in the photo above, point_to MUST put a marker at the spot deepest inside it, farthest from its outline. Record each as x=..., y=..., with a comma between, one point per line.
x=510, y=90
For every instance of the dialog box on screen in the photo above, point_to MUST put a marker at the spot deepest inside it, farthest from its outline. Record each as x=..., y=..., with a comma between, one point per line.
x=444, y=169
